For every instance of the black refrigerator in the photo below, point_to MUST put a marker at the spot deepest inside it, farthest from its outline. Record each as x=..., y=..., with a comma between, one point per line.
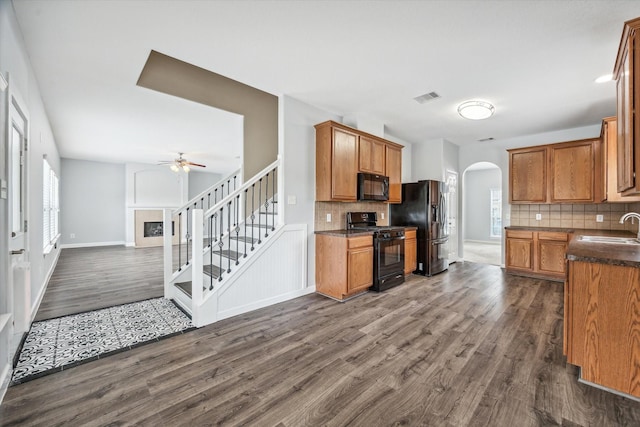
x=423, y=206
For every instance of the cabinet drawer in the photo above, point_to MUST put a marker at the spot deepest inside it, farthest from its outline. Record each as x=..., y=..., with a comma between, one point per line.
x=410, y=234
x=553, y=235
x=520, y=234
x=359, y=242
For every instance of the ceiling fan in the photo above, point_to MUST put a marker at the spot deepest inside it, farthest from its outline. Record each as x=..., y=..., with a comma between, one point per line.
x=180, y=164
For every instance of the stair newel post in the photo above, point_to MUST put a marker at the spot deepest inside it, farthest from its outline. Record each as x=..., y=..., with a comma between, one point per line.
x=215, y=215
x=180, y=241
x=229, y=236
x=237, y=199
x=266, y=206
x=273, y=200
x=253, y=212
x=259, y=216
x=168, y=252
x=246, y=193
x=197, y=274
x=220, y=241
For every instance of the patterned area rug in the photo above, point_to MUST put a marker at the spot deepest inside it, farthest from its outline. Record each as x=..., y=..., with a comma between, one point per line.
x=57, y=344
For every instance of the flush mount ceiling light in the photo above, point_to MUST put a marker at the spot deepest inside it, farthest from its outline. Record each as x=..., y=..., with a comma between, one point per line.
x=476, y=110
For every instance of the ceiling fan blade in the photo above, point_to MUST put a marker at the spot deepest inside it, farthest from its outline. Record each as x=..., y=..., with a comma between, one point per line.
x=195, y=164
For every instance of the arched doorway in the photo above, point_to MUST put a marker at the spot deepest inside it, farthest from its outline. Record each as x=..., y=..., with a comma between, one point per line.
x=482, y=213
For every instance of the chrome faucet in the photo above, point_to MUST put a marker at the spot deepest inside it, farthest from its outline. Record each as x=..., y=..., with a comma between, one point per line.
x=631, y=215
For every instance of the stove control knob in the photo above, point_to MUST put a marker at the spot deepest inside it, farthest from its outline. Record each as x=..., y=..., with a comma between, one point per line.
x=386, y=235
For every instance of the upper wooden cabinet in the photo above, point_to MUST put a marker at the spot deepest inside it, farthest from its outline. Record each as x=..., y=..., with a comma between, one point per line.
x=609, y=137
x=336, y=163
x=394, y=172
x=528, y=175
x=568, y=172
x=342, y=152
x=371, y=156
x=627, y=75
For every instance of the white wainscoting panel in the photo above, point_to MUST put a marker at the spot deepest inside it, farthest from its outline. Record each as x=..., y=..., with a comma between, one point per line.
x=278, y=273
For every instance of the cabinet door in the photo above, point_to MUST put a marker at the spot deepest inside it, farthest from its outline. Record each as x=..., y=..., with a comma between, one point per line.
x=573, y=172
x=344, y=165
x=519, y=254
x=360, y=268
x=410, y=255
x=528, y=175
x=626, y=178
x=394, y=172
x=551, y=257
x=371, y=156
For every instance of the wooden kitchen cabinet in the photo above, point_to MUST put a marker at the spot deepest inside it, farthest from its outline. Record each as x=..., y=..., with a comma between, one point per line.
x=410, y=251
x=336, y=163
x=394, y=172
x=536, y=253
x=567, y=172
x=601, y=324
x=342, y=152
x=627, y=76
x=344, y=265
x=371, y=156
x=528, y=175
x=609, y=137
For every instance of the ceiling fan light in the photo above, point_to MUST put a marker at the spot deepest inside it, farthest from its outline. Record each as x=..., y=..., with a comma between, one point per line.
x=476, y=110
x=175, y=168
x=186, y=168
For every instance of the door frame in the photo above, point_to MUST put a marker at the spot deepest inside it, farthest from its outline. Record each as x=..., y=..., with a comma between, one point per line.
x=19, y=309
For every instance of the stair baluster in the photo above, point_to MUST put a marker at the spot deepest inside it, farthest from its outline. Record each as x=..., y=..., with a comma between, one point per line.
x=253, y=216
x=259, y=216
x=266, y=207
x=187, y=236
x=229, y=236
x=273, y=201
x=245, y=222
x=180, y=241
x=221, y=242
x=237, y=201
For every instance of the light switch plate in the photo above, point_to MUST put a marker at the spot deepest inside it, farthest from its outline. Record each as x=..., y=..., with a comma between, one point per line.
x=599, y=218
x=381, y=215
x=3, y=188
x=538, y=217
x=328, y=217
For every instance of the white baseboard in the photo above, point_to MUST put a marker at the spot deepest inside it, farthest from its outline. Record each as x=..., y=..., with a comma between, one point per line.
x=91, y=245
x=5, y=377
x=43, y=288
x=488, y=242
x=265, y=302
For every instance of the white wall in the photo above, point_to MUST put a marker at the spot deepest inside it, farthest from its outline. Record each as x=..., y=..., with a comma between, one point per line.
x=427, y=160
x=16, y=68
x=92, y=198
x=200, y=181
x=297, y=148
x=478, y=185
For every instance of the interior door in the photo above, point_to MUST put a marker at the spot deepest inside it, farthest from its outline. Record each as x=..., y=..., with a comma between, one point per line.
x=18, y=238
x=451, y=196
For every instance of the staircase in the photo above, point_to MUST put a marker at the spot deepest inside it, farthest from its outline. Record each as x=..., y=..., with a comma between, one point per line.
x=221, y=231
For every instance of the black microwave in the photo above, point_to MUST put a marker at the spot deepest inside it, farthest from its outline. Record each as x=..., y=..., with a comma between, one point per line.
x=373, y=187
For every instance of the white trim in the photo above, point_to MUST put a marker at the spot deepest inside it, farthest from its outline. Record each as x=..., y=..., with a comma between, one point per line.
x=43, y=288
x=488, y=242
x=265, y=303
x=5, y=377
x=94, y=244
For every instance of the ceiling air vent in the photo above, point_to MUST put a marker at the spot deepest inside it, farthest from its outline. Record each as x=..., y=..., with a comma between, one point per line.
x=426, y=97
x=486, y=139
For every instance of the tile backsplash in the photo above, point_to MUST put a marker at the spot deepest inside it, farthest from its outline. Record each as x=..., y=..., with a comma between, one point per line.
x=338, y=211
x=575, y=216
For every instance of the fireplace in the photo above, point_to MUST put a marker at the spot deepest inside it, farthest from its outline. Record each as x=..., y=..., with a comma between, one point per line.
x=149, y=228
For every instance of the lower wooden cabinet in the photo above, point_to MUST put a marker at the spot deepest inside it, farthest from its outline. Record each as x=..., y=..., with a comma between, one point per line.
x=536, y=253
x=601, y=324
x=410, y=251
x=344, y=265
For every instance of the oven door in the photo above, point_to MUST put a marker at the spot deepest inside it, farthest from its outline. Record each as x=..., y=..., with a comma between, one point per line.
x=388, y=266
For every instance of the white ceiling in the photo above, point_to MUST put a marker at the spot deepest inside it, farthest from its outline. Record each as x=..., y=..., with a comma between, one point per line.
x=536, y=61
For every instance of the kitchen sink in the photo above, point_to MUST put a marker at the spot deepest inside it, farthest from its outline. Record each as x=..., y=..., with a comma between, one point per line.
x=609, y=239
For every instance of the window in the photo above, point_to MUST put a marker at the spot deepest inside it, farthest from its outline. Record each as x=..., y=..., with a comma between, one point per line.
x=50, y=207
x=496, y=213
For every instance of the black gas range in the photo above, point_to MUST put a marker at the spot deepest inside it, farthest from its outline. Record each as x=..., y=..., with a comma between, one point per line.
x=388, y=249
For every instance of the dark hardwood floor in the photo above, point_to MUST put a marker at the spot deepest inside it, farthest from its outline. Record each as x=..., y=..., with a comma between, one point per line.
x=92, y=278
x=469, y=347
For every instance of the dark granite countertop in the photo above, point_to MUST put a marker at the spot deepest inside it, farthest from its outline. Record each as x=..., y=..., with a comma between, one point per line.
x=600, y=253
x=345, y=233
